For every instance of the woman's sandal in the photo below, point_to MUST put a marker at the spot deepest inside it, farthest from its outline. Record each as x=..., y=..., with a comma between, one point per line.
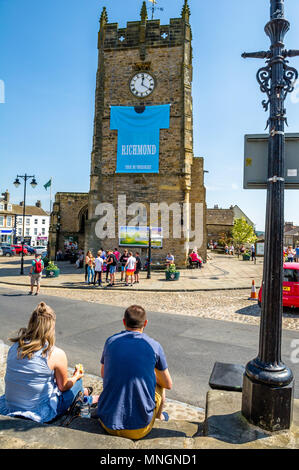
x=166, y=416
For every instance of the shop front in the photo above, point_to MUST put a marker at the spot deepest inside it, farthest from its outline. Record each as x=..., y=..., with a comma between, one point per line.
x=41, y=241
x=6, y=236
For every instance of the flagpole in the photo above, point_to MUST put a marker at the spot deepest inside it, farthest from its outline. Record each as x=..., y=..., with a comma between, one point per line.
x=153, y=7
x=51, y=196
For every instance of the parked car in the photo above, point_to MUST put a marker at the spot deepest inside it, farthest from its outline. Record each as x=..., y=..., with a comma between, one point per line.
x=290, y=293
x=18, y=249
x=8, y=251
x=39, y=250
x=30, y=249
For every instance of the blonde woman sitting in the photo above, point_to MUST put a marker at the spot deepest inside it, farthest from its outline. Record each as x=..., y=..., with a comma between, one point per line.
x=37, y=385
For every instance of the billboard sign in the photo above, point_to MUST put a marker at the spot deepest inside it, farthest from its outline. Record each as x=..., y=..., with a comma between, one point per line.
x=260, y=248
x=139, y=237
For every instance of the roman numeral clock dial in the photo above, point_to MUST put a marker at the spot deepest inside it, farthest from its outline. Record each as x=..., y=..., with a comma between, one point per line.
x=142, y=85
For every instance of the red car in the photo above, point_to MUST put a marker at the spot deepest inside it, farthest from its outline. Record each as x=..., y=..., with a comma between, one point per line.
x=290, y=297
x=18, y=249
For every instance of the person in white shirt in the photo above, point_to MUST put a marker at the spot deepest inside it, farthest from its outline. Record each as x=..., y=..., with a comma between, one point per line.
x=98, y=268
x=130, y=268
x=169, y=259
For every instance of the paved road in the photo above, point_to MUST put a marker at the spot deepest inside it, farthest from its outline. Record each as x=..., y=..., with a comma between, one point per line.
x=192, y=345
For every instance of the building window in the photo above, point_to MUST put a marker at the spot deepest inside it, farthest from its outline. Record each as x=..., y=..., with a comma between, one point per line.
x=27, y=231
x=43, y=221
x=1, y=206
x=19, y=232
x=1, y=221
x=36, y=221
x=9, y=207
x=9, y=221
x=19, y=220
x=43, y=231
x=27, y=221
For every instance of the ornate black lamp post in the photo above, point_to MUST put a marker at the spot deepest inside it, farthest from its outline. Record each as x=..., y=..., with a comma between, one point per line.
x=17, y=184
x=268, y=383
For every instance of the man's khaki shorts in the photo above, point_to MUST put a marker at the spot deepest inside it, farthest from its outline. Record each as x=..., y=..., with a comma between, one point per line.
x=138, y=433
x=36, y=278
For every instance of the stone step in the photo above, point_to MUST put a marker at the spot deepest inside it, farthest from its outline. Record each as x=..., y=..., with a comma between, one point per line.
x=225, y=423
x=224, y=428
x=88, y=434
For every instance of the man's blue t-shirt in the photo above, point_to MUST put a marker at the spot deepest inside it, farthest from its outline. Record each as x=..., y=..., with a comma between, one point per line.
x=128, y=397
x=297, y=252
x=139, y=137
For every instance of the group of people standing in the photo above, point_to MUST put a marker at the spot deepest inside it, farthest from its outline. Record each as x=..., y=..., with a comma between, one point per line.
x=229, y=250
x=291, y=254
x=110, y=263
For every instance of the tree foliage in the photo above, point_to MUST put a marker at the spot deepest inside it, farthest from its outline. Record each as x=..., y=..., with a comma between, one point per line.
x=242, y=232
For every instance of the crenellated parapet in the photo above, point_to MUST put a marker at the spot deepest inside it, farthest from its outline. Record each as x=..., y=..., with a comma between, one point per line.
x=150, y=32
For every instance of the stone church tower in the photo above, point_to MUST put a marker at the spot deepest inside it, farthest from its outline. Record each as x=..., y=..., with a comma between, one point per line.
x=165, y=53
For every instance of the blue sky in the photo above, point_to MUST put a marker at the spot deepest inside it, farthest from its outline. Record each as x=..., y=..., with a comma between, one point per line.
x=48, y=65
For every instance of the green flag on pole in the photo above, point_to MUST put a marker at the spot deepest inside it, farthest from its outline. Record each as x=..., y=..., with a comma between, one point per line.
x=48, y=184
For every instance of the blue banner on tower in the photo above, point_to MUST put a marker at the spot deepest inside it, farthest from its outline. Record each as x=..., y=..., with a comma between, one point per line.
x=139, y=136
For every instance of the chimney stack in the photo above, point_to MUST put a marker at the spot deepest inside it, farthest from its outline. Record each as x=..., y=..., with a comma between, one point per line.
x=6, y=196
x=38, y=204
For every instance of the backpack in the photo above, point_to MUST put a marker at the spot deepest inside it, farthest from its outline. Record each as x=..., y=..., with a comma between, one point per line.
x=38, y=266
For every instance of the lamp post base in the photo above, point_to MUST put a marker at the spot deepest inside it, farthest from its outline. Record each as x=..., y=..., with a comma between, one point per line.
x=266, y=406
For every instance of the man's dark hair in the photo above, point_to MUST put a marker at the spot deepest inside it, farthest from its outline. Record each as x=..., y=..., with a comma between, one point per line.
x=135, y=317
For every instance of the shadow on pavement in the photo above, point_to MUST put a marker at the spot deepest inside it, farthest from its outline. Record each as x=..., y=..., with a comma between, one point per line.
x=255, y=311
x=233, y=429
x=15, y=295
x=252, y=310
x=289, y=312
x=20, y=424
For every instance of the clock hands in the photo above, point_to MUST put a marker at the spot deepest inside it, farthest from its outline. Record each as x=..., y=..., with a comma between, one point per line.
x=142, y=84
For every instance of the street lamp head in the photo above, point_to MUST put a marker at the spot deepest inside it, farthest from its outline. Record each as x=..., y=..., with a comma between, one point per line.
x=33, y=183
x=17, y=182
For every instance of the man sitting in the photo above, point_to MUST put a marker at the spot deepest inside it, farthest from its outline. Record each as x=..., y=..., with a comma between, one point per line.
x=169, y=260
x=135, y=374
x=195, y=259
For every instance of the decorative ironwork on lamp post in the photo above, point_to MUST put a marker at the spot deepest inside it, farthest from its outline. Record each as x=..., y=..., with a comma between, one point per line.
x=268, y=383
x=17, y=183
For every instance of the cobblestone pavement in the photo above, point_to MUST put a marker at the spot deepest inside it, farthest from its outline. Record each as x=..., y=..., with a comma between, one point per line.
x=220, y=272
x=228, y=305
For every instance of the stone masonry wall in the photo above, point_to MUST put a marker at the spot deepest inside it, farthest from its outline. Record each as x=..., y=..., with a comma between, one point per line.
x=67, y=211
x=219, y=221
x=169, y=61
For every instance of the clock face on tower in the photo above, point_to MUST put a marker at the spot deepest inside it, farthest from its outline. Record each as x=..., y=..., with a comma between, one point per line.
x=142, y=84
